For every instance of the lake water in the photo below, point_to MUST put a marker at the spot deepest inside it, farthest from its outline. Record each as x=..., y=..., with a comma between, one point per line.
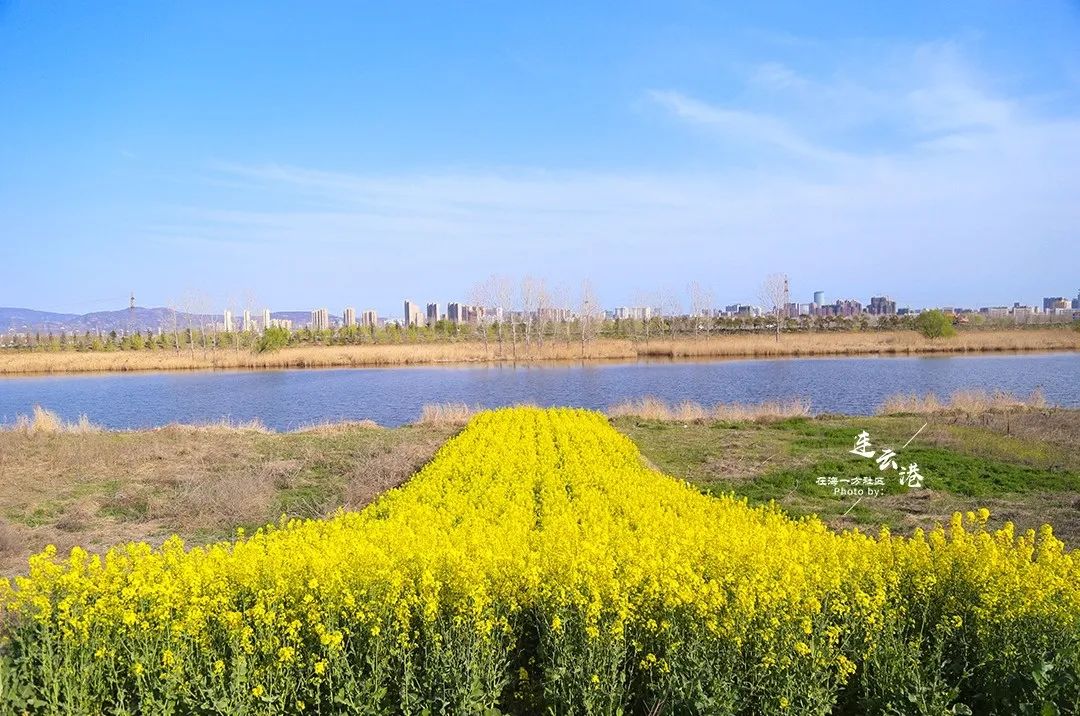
x=287, y=399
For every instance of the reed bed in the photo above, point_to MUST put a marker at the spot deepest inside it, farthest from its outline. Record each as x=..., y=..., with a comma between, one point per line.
x=718, y=346
x=330, y=427
x=446, y=414
x=651, y=408
x=969, y=402
x=43, y=421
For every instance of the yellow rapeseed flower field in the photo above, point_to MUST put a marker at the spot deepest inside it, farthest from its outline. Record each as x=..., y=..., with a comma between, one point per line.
x=536, y=565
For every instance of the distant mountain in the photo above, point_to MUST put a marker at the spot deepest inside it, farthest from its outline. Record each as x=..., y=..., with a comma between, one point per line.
x=26, y=320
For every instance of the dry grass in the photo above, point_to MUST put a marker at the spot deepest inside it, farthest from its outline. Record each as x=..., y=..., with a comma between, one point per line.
x=330, y=427
x=100, y=488
x=452, y=414
x=969, y=402
x=225, y=425
x=47, y=422
x=650, y=408
x=385, y=470
x=720, y=346
x=11, y=541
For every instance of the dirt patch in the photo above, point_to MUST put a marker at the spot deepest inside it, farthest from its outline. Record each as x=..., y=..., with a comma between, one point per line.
x=99, y=488
x=386, y=470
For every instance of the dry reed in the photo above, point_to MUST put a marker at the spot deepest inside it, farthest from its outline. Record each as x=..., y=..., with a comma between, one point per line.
x=446, y=414
x=330, y=427
x=650, y=408
x=44, y=421
x=720, y=346
x=224, y=425
x=970, y=402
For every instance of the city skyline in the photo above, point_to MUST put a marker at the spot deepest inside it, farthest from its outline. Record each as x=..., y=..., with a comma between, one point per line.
x=459, y=312
x=931, y=153
x=568, y=296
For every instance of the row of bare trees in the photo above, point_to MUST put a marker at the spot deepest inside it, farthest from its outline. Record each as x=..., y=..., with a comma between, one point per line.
x=532, y=310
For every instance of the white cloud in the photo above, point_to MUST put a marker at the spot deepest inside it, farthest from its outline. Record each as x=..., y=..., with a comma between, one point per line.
x=972, y=190
x=739, y=124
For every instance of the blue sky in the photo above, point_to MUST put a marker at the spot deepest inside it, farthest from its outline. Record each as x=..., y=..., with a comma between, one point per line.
x=331, y=154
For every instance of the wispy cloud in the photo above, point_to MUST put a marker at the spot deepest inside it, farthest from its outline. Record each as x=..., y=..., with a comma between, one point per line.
x=929, y=160
x=928, y=95
x=740, y=125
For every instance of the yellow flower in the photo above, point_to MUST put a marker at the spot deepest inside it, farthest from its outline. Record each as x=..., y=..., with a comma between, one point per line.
x=530, y=511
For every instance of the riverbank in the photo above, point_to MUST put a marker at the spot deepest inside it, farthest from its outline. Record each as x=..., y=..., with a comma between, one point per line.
x=76, y=484
x=719, y=346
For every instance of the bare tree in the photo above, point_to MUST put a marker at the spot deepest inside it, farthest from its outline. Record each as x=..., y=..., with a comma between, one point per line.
x=701, y=306
x=561, y=300
x=192, y=304
x=502, y=295
x=587, y=312
x=666, y=305
x=171, y=323
x=529, y=300
x=648, y=302
x=480, y=297
x=774, y=295
x=544, y=310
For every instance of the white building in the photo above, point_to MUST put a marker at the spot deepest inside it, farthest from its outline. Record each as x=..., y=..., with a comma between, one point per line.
x=320, y=319
x=413, y=315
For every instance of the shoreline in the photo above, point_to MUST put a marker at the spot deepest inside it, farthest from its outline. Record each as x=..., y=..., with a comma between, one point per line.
x=43, y=421
x=758, y=346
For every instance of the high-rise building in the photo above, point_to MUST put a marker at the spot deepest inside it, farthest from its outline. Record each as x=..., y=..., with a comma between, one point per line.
x=320, y=319
x=475, y=314
x=369, y=319
x=266, y=318
x=819, y=298
x=454, y=314
x=413, y=316
x=1076, y=301
x=349, y=317
x=228, y=321
x=847, y=308
x=735, y=309
x=432, y=313
x=882, y=306
x=248, y=325
x=1055, y=302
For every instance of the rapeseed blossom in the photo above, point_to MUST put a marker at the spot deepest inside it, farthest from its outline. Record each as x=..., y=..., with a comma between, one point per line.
x=537, y=564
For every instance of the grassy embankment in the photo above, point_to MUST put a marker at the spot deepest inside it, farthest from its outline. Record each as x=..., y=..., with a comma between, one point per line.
x=719, y=346
x=1015, y=457
x=75, y=484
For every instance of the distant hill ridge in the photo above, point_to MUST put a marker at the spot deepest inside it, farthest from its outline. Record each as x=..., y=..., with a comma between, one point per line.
x=28, y=320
